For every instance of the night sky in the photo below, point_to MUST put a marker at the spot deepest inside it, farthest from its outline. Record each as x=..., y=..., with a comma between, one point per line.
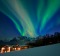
x=29, y=18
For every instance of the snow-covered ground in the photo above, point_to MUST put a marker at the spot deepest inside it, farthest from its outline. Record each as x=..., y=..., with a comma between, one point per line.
x=50, y=50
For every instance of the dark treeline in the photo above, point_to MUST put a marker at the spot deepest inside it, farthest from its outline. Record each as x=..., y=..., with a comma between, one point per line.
x=38, y=41
x=46, y=40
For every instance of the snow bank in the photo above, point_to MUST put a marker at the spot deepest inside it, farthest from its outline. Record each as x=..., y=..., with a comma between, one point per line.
x=50, y=50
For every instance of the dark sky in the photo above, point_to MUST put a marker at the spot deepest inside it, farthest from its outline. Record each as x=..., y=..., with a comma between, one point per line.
x=7, y=27
x=29, y=18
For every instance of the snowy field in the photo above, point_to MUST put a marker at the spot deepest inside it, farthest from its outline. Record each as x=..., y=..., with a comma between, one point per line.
x=50, y=50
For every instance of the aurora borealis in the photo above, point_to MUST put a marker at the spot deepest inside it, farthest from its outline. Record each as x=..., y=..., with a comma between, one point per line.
x=32, y=17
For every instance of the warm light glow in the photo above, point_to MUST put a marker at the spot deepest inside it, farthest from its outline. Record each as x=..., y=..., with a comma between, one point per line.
x=8, y=49
x=25, y=47
x=18, y=48
x=15, y=48
x=2, y=50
